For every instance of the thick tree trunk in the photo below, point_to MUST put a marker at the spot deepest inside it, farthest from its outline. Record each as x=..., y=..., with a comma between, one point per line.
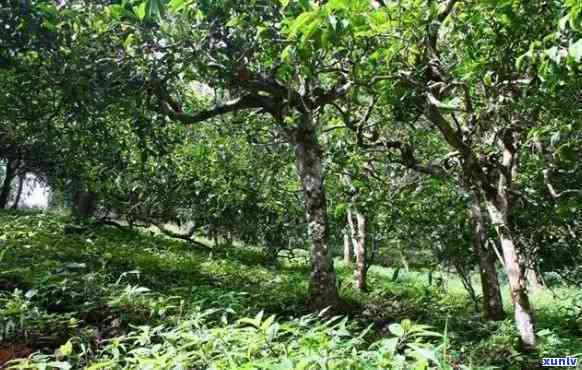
x=309, y=156
x=21, y=179
x=7, y=183
x=347, y=247
x=492, y=303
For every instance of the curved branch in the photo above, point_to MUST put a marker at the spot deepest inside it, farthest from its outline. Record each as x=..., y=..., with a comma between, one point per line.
x=170, y=109
x=557, y=195
x=188, y=236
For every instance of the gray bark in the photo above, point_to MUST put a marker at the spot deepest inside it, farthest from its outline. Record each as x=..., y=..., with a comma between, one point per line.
x=347, y=247
x=361, y=271
x=309, y=157
x=18, y=195
x=492, y=302
x=357, y=224
x=498, y=207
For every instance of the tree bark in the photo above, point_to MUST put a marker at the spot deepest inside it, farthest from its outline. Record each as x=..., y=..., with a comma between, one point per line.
x=309, y=157
x=357, y=224
x=347, y=247
x=515, y=274
x=21, y=179
x=492, y=302
x=7, y=184
x=361, y=271
x=498, y=207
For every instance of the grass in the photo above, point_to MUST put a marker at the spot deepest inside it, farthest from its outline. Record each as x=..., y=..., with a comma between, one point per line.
x=111, y=299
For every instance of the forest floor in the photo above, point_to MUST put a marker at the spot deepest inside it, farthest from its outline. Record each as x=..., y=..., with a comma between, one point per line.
x=105, y=298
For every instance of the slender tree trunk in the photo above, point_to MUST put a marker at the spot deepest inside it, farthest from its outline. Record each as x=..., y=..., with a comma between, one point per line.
x=347, y=247
x=465, y=276
x=309, y=156
x=353, y=231
x=228, y=239
x=361, y=271
x=492, y=302
x=498, y=206
x=358, y=233
x=21, y=179
x=404, y=261
x=7, y=184
x=358, y=230
x=522, y=309
x=396, y=273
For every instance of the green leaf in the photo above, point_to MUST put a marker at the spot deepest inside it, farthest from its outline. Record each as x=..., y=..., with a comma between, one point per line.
x=310, y=30
x=140, y=11
x=396, y=329
x=299, y=22
x=284, y=3
x=332, y=21
x=66, y=349
x=248, y=320
x=176, y=6
x=155, y=9
x=488, y=78
x=286, y=53
x=59, y=365
x=268, y=322
x=425, y=353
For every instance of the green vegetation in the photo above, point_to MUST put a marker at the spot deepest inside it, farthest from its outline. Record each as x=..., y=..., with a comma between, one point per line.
x=291, y=183
x=106, y=299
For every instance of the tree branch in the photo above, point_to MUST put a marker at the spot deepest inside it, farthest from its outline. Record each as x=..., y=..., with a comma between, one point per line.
x=243, y=103
x=332, y=95
x=557, y=195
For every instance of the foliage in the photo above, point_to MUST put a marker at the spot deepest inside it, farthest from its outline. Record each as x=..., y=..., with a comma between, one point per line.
x=99, y=304
x=194, y=116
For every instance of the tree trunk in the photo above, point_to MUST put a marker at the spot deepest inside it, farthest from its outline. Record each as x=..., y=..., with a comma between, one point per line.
x=396, y=273
x=85, y=205
x=361, y=271
x=352, y=229
x=309, y=157
x=21, y=179
x=492, y=302
x=497, y=209
x=347, y=247
x=7, y=184
x=358, y=232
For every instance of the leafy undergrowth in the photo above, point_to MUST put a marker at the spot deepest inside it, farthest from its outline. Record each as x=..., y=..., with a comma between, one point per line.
x=109, y=299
